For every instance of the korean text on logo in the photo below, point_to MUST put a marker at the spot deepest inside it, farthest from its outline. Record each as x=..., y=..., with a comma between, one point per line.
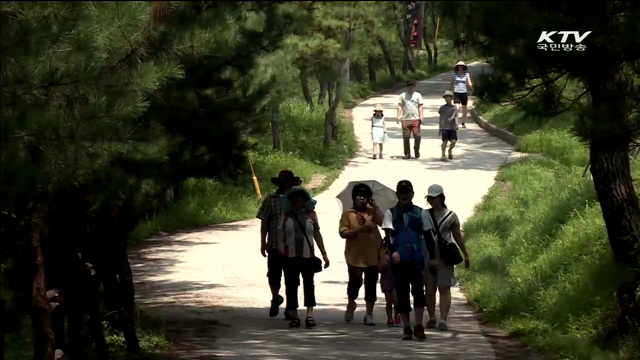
x=545, y=41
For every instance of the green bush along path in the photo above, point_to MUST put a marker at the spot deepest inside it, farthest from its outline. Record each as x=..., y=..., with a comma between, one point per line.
x=210, y=285
x=543, y=269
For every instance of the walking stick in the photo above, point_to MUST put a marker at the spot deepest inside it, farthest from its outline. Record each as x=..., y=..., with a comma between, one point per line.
x=256, y=185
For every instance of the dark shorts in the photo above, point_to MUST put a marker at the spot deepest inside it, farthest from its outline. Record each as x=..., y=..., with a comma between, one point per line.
x=449, y=135
x=460, y=98
x=275, y=263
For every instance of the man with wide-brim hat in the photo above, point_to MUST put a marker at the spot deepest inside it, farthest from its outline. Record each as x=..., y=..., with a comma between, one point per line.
x=461, y=84
x=410, y=110
x=270, y=214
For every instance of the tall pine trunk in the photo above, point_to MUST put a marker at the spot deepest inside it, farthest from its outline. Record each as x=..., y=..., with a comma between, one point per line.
x=304, y=82
x=275, y=126
x=330, y=117
x=371, y=67
x=43, y=338
x=322, y=94
x=358, y=74
x=407, y=22
x=434, y=22
x=387, y=58
x=330, y=87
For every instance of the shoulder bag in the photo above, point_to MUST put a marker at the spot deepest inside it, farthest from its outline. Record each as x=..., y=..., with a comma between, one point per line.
x=449, y=251
x=315, y=262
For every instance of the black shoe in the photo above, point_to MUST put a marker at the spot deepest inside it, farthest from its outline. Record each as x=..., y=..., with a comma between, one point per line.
x=406, y=157
x=407, y=334
x=417, y=154
x=275, y=306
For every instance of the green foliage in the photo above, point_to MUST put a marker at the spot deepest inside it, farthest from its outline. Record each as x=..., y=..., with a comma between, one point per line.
x=543, y=268
x=213, y=202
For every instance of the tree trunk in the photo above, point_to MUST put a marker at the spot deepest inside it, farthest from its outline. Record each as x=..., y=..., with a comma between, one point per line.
x=358, y=74
x=349, y=40
x=330, y=118
x=330, y=88
x=434, y=22
x=43, y=338
x=322, y=94
x=387, y=58
x=178, y=191
x=275, y=126
x=425, y=38
x=304, y=81
x=371, y=66
x=408, y=54
x=612, y=180
x=125, y=278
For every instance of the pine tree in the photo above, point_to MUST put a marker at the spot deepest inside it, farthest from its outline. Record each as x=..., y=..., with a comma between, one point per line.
x=609, y=116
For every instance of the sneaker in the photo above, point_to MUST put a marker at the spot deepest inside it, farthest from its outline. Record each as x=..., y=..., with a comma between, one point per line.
x=380, y=156
x=418, y=332
x=407, y=334
x=275, y=306
x=443, y=159
x=397, y=321
x=390, y=323
x=368, y=320
x=431, y=324
x=443, y=326
x=375, y=156
x=450, y=155
x=417, y=154
x=348, y=315
x=407, y=157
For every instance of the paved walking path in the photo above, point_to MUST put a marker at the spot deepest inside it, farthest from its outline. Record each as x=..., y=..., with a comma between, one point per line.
x=211, y=284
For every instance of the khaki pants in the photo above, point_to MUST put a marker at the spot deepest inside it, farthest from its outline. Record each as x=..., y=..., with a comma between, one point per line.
x=408, y=127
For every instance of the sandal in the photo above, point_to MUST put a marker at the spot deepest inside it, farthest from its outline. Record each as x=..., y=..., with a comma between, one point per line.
x=309, y=322
x=295, y=323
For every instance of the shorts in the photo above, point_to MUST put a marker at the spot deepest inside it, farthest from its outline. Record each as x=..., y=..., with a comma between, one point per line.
x=460, y=98
x=445, y=276
x=275, y=263
x=449, y=135
x=387, y=280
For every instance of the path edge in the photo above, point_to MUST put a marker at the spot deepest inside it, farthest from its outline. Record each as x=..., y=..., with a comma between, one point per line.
x=493, y=130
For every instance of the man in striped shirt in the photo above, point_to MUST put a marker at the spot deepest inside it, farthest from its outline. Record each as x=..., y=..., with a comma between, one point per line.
x=270, y=214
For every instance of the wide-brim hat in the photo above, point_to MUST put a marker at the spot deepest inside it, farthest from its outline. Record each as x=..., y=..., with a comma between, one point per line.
x=378, y=108
x=460, y=63
x=284, y=176
x=447, y=93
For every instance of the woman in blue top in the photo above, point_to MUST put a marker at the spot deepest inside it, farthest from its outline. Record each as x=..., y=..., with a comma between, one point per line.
x=403, y=224
x=461, y=85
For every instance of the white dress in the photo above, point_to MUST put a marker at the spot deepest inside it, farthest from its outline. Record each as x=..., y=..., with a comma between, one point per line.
x=377, y=132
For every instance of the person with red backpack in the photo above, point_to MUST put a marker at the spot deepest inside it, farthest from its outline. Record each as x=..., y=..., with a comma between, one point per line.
x=403, y=224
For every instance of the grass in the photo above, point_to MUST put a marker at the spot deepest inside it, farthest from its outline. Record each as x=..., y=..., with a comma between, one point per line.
x=542, y=266
x=153, y=342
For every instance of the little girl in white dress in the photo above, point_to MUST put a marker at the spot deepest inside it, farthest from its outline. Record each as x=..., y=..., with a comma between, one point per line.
x=378, y=130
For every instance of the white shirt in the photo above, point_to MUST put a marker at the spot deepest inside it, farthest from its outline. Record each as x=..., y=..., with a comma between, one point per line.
x=445, y=227
x=410, y=105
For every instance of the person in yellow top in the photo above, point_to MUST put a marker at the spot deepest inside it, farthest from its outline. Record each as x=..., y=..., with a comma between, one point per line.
x=359, y=226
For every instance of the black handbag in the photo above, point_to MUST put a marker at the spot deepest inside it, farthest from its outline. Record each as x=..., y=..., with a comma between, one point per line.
x=449, y=251
x=315, y=263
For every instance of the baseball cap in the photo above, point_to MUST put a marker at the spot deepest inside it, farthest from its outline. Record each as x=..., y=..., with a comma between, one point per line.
x=411, y=82
x=434, y=190
x=404, y=186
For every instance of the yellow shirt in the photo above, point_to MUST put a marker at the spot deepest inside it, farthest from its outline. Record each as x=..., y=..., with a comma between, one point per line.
x=361, y=251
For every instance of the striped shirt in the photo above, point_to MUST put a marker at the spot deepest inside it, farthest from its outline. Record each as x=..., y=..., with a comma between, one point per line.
x=293, y=236
x=271, y=211
x=460, y=82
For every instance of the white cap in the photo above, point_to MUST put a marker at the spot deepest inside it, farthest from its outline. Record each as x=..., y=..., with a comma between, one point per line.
x=434, y=190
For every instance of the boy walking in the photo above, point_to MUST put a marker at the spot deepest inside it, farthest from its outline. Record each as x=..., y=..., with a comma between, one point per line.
x=448, y=125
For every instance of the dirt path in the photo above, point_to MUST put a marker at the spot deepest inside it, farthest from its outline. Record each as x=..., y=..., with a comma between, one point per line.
x=216, y=302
